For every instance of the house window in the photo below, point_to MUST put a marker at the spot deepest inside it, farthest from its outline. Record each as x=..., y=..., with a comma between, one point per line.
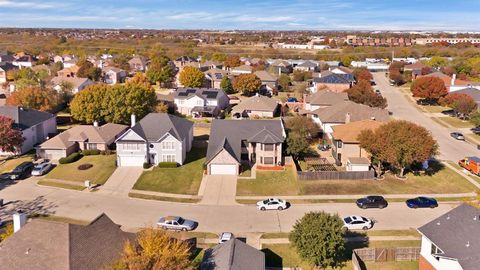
x=268, y=160
x=339, y=144
x=268, y=147
x=131, y=146
x=92, y=146
x=168, y=158
x=435, y=250
x=168, y=145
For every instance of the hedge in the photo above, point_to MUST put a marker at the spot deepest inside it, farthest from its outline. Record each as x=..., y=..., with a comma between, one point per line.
x=92, y=152
x=71, y=158
x=167, y=165
x=146, y=165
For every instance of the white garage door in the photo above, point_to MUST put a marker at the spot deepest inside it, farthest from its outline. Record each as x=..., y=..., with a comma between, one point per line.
x=223, y=169
x=131, y=161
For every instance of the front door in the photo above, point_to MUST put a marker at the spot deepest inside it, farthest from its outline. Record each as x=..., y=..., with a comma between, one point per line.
x=153, y=158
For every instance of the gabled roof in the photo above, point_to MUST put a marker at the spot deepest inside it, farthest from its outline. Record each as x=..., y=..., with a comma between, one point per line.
x=256, y=103
x=348, y=133
x=456, y=233
x=114, y=69
x=280, y=63
x=308, y=64
x=233, y=255
x=265, y=136
x=7, y=66
x=471, y=91
x=326, y=98
x=265, y=76
x=357, y=112
x=242, y=68
x=155, y=125
x=75, y=81
x=204, y=93
x=335, y=78
x=43, y=244
x=24, y=118
x=216, y=74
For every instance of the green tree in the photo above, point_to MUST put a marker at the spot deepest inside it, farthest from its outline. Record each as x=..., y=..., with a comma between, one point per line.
x=247, y=84
x=160, y=70
x=284, y=81
x=319, y=239
x=226, y=85
x=191, y=77
x=219, y=57
x=429, y=88
x=475, y=118
x=437, y=62
x=87, y=106
x=301, y=131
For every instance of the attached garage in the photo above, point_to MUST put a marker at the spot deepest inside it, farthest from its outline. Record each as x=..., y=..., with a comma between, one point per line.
x=130, y=161
x=223, y=169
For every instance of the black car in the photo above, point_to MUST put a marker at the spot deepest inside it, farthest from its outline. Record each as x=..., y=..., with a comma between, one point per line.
x=22, y=171
x=372, y=202
x=476, y=130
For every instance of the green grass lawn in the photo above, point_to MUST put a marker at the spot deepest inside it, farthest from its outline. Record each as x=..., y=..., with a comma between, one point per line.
x=455, y=122
x=434, y=108
x=10, y=164
x=103, y=167
x=60, y=185
x=185, y=179
x=269, y=183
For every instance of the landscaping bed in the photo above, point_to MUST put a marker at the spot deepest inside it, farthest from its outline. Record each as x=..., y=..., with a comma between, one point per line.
x=185, y=179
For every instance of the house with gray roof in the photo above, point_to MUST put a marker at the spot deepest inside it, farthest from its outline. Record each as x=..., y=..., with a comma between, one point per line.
x=199, y=102
x=4, y=68
x=114, y=75
x=307, y=66
x=233, y=142
x=158, y=137
x=451, y=241
x=257, y=106
x=333, y=81
x=44, y=244
x=473, y=92
x=36, y=126
x=233, y=255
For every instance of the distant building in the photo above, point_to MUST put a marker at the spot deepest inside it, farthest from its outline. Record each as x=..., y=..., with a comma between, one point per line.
x=427, y=41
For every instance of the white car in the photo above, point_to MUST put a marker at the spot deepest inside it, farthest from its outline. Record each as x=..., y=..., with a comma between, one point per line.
x=41, y=169
x=272, y=204
x=224, y=237
x=357, y=223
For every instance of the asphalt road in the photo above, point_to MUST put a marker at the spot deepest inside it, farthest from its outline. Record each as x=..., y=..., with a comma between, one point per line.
x=398, y=104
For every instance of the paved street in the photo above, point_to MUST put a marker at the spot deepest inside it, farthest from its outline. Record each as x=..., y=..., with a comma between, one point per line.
x=135, y=213
x=450, y=149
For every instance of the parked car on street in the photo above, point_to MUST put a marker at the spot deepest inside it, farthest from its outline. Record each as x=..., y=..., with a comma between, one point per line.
x=224, y=237
x=292, y=99
x=41, y=169
x=22, y=171
x=476, y=130
x=458, y=136
x=471, y=164
x=357, y=223
x=422, y=202
x=176, y=223
x=4, y=176
x=372, y=202
x=272, y=204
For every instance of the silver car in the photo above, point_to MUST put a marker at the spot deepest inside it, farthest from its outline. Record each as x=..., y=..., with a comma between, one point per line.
x=176, y=223
x=41, y=169
x=224, y=237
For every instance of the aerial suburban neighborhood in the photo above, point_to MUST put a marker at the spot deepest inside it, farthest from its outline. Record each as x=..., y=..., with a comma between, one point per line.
x=134, y=137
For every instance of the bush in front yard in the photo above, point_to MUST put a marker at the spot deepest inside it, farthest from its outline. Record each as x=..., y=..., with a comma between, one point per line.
x=71, y=158
x=84, y=167
x=167, y=165
x=92, y=152
x=146, y=165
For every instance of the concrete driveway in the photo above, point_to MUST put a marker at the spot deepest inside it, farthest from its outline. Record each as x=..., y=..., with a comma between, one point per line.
x=121, y=181
x=218, y=190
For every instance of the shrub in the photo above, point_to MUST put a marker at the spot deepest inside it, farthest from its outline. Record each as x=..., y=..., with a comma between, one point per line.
x=71, y=158
x=146, y=165
x=92, y=152
x=107, y=152
x=167, y=165
x=84, y=167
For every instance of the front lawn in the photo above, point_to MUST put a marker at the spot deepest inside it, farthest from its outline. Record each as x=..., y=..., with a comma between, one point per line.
x=455, y=122
x=103, y=167
x=185, y=179
x=10, y=164
x=269, y=183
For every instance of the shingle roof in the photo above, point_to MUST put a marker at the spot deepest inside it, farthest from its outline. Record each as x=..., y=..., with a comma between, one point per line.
x=242, y=68
x=457, y=233
x=256, y=103
x=234, y=131
x=415, y=66
x=75, y=81
x=308, y=64
x=337, y=113
x=42, y=244
x=186, y=59
x=335, y=78
x=23, y=117
x=348, y=133
x=7, y=66
x=265, y=76
x=233, y=255
x=204, y=93
x=472, y=92
x=326, y=98
x=155, y=125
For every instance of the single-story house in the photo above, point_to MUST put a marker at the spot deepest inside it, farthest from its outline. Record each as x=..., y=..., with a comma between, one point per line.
x=233, y=255
x=36, y=126
x=243, y=69
x=233, y=142
x=450, y=242
x=323, y=98
x=470, y=91
x=415, y=68
x=158, y=137
x=83, y=137
x=256, y=106
x=282, y=66
x=269, y=81
x=45, y=244
x=451, y=83
x=68, y=72
x=200, y=101
x=24, y=61
x=307, y=66
x=77, y=84
x=333, y=81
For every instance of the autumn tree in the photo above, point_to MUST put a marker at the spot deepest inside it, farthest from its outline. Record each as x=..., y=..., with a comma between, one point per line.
x=284, y=82
x=362, y=74
x=247, y=84
x=398, y=143
x=429, y=88
x=232, y=61
x=462, y=104
x=88, y=70
x=227, y=86
x=191, y=77
x=11, y=139
x=154, y=250
x=436, y=62
x=8, y=231
x=363, y=93
x=300, y=76
x=301, y=131
x=322, y=248
x=140, y=79
x=160, y=71
x=35, y=98
x=396, y=77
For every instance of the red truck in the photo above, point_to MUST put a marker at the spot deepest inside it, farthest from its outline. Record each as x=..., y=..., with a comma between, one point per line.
x=471, y=164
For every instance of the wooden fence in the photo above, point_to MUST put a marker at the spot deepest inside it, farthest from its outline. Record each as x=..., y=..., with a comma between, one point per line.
x=387, y=254
x=335, y=175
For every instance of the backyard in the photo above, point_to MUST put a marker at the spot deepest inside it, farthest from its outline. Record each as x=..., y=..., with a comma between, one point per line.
x=185, y=179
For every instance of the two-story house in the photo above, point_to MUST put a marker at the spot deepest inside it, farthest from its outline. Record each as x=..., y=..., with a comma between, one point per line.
x=337, y=82
x=214, y=76
x=114, y=75
x=199, y=102
x=450, y=242
x=234, y=142
x=5, y=68
x=137, y=64
x=158, y=137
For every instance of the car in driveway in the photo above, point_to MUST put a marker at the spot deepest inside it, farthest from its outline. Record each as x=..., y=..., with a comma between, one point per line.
x=224, y=237
x=22, y=171
x=176, y=223
x=41, y=169
x=357, y=223
x=458, y=136
x=422, y=202
x=372, y=202
x=272, y=204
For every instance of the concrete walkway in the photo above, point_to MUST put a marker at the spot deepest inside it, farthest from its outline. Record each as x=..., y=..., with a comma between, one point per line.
x=218, y=190
x=121, y=181
x=274, y=241
x=163, y=194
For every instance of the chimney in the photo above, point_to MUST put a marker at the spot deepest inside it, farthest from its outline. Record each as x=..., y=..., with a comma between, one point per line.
x=19, y=219
x=454, y=77
x=132, y=120
x=347, y=118
x=95, y=123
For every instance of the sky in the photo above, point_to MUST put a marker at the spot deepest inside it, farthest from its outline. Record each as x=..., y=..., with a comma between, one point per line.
x=448, y=15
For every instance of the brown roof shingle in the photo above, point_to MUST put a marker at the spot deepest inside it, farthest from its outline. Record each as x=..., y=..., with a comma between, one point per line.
x=348, y=133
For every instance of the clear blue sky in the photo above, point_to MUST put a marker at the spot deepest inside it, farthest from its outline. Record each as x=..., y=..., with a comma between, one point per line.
x=458, y=15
